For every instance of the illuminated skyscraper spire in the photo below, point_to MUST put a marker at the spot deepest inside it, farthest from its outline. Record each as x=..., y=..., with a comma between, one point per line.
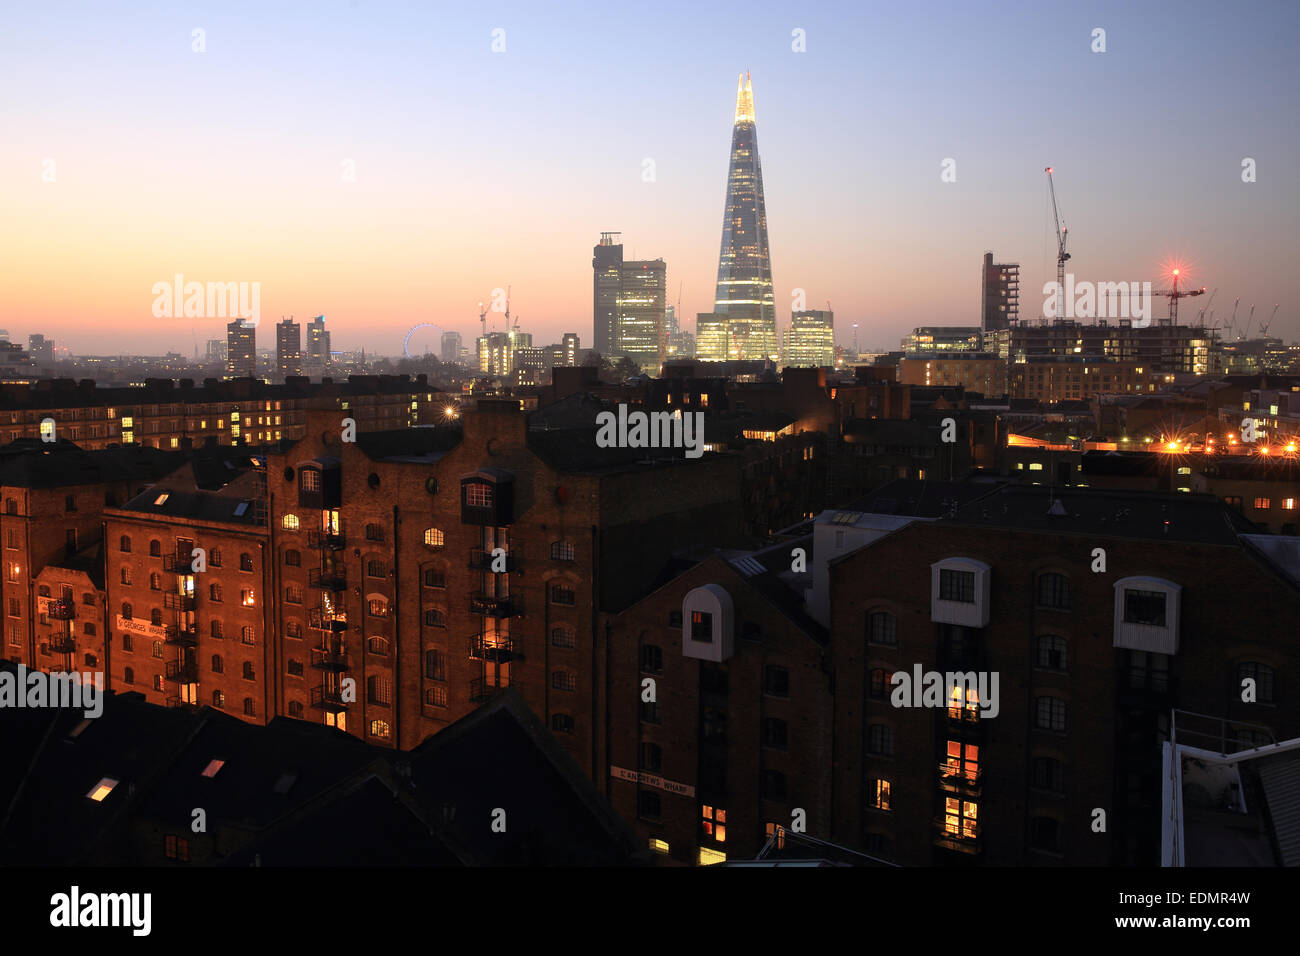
x=744, y=292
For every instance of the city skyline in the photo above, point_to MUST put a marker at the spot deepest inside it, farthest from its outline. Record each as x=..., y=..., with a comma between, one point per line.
x=446, y=206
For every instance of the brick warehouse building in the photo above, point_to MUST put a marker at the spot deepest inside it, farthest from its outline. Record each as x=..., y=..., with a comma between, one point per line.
x=384, y=571
x=1090, y=666
x=739, y=735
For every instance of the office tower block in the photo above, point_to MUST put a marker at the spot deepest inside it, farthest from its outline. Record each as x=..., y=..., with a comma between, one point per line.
x=318, y=346
x=810, y=340
x=607, y=267
x=288, y=348
x=451, y=344
x=241, y=349
x=1000, y=294
x=744, y=291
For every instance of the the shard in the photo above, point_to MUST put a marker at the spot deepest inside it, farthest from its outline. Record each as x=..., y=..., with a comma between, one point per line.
x=744, y=295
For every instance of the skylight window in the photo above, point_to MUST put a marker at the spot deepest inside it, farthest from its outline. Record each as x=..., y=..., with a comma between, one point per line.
x=212, y=768
x=160, y=500
x=241, y=509
x=102, y=789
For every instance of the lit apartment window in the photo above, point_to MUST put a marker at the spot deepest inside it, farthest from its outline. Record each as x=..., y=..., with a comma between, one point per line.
x=701, y=626
x=961, y=818
x=434, y=538
x=1288, y=504
x=963, y=760
x=289, y=522
x=714, y=823
x=1263, y=504
x=218, y=699
x=102, y=789
x=309, y=479
x=881, y=791
x=379, y=728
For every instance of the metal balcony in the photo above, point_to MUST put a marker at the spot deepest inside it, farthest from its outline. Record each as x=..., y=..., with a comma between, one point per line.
x=329, y=659
x=964, y=715
x=181, y=672
x=482, y=689
x=62, y=644
x=179, y=702
x=333, y=623
x=967, y=780
x=61, y=610
x=492, y=648
x=178, y=602
x=178, y=563
x=480, y=559
x=491, y=606
x=326, y=540
x=183, y=635
x=328, y=579
x=329, y=699
x=966, y=840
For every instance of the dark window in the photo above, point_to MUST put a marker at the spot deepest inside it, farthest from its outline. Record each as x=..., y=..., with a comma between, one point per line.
x=1144, y=607
x=377, y=646
x=1262, y=674
x=776, y=733
x=957, y=586
x=218, y=665
x=434, y=617
x=701, y=626
x=652, y=658
x=155, y=617
x=652, y=757
x=1054, y=591
x=562, y=723
x=882, y=628
x=648, y=806
x=218, y=699
x=562, y=595
x=249, y=673
x=562, y=551
x=123, y=544
x=245, y=561
x=214, y=593
x=155, y=548
x=295, y=668
x=773, y=784
x=564, y=680
x=249, y=710
x=650, y=711
x=295, y=709
x=674, y=618
x=176, y=848
x=436, y=696
x=374, y=532
x=128, y=675
x=880, y=740
x=1045, y=834
x=293, y=558
x=1049, y=714
x=215, y=629
x=435, y=665
x=246, y=634
x=434, y=578
x=375, y=568
x=1052, y=653
x=214, y=558
x=379, y=690
x=880, y=686
x=776, y=681
x=563, y=637
x=1048, y=774
x=293, y=594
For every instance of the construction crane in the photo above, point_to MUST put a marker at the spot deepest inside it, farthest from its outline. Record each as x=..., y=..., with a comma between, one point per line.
x=1232, y=322
x=1250, y=320
x=1200, y=318
x=1175, y=294
x=1263, y=329
x=1061, y=255
x=482, y=318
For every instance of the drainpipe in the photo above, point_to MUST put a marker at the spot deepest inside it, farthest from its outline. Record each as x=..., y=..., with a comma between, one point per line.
x=397, y=634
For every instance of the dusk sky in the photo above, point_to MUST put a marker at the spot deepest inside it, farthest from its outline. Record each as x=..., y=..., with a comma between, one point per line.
x=476, y=170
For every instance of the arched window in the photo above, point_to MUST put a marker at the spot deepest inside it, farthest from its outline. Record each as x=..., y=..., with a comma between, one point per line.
x=155, y=617
x=1052, y=652
x=289, y=522
x=155, y=548
x=218, y=665
x=377, y=645
x=128, y=675
x=1261, y=674
x=124, y=544
x=126, y=610
x=293, y=558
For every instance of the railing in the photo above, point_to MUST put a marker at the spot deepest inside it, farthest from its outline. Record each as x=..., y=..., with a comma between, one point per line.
x=62, y=645
x=966, y=779
x=61, y=610
x=328, y=579
x=480, y=559
x=481, y=689
x=182, y=672
x=964, y=840
x=178, y=563
x=326, y=539
x=321, y=621
x=492, y=606
x=328, y=699
x=178, y=602
x=329, y=659
x=492, y=648
x=964, y=715
x=184, y=635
